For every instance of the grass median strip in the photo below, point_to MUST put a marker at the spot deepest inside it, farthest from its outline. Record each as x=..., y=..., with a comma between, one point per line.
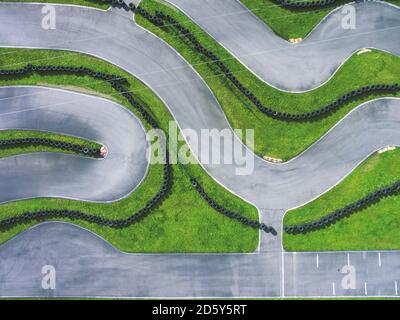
x=183, y=222
x=242, y=114
x=14, y=142
x=374, y=227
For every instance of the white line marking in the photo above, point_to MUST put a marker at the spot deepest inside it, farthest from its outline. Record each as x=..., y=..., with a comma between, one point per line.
x=365, y=288
x=317, y=260
x=379, y=259
x=395, y=287
x=348, y=259
x=333, y=289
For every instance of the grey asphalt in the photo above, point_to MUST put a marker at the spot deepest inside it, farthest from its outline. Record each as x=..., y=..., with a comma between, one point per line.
x=65, y=175
x=86, y=265
x=295, y=67
x=273, y=188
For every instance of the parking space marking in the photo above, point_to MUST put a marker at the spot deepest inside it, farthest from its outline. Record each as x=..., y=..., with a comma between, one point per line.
x=333, y=289
x=395, y=287
x=317, y=260
x=365, y=288
x=348, y=259
x=379, y=259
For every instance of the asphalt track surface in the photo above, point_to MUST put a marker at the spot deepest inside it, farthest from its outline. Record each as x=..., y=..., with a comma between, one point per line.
x=65, y=175
x=86, y=265
x=273, y=188
x=295, y=67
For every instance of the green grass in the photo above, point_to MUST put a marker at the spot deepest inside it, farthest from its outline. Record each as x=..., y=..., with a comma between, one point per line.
x=183, y=222
x=289, y=23
x=21, y=134
x=359, y=70
x=374, y=228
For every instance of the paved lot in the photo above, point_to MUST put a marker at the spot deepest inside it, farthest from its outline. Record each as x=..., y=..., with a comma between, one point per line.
x=295, y=67
x=323, y=274
x=88, y=266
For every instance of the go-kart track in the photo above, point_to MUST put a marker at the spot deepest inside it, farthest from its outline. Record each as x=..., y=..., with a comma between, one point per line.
x=71, y=176
x=86, y=264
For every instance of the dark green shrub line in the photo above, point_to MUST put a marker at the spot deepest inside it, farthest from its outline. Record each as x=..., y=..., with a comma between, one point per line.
x=230, y=214
x=346, y=211
x=76, y=148
x=159, y=19
x=117, y=83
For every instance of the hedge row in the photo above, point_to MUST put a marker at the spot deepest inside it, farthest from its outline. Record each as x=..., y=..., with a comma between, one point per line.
x=11, y=143
x=230, y=214
x=339, y=214
x=159, y=18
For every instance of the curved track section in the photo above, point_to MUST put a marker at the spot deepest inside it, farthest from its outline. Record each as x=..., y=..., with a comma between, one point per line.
x=295, y=67
x=64, y=175
x=193, y=105
x=366, y=129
